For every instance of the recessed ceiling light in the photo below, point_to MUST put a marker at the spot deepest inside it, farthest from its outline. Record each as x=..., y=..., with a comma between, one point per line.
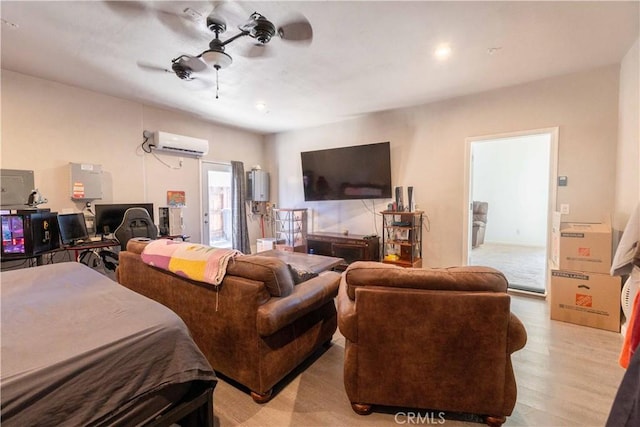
x=261, y=106
x=443, y=51
x=9, y=24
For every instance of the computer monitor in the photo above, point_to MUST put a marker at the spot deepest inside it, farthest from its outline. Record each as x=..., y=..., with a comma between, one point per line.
x=109, y=217
x=73, y=228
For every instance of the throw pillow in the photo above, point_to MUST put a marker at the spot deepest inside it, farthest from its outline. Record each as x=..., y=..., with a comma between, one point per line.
x=299, y=275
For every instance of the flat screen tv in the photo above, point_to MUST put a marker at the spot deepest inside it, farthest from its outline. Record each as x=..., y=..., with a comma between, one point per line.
x=356, y=172
x=109, y=217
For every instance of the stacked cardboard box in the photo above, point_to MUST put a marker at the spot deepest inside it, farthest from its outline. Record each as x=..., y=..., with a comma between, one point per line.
x=582, y=291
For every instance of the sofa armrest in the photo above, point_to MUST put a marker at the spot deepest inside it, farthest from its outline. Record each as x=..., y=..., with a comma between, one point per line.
x=306, y=297
x=347, y=315
x=517, y=334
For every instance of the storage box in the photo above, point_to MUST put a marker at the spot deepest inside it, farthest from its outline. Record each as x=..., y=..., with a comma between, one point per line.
x=577, y=246
x=266, y=244
x=583, y=298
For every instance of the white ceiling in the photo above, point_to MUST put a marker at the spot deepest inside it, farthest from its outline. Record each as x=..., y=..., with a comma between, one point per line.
x=365, y=56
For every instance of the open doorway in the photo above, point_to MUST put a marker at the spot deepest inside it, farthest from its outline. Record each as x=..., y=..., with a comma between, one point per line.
x=216, y=200
x=511, y=198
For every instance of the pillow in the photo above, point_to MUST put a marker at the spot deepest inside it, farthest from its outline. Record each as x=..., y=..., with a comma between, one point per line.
x=299, y=275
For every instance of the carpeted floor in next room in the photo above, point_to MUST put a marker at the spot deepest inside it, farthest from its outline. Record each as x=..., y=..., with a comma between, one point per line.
x=524, y=266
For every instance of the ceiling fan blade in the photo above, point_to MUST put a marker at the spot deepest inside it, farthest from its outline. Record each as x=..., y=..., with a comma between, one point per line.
x=297, y=30
x=194, y=63
x=152, y=67
x=256, y=50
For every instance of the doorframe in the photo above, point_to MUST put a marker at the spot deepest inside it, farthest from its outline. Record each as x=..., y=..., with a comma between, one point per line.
x=204, y=227
x=553, y=179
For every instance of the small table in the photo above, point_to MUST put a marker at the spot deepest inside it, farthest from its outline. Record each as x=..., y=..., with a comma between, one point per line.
x=308, y=262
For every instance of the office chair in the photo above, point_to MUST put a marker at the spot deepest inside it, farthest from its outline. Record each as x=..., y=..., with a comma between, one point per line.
x=136, y=223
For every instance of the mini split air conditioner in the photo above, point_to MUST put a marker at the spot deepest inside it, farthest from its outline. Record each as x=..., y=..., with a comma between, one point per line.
x=180, y=144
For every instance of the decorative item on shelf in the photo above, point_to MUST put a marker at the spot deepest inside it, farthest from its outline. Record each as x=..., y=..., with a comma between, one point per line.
x=410, y=207
x=399, y=202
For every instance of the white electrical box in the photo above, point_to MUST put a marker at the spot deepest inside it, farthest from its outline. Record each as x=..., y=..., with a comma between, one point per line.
x=258, y=185
x=170, y=221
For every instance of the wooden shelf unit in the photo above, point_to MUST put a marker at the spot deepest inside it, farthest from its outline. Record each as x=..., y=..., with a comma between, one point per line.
x=290, y=228
x=402, y=238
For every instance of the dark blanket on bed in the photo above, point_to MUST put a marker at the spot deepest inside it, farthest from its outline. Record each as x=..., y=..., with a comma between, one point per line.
x=80, y=349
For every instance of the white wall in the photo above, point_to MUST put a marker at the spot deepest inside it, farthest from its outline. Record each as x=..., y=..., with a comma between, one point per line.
x=46, y=125
x=628, y=154
x=512, y=175
x=428, y=152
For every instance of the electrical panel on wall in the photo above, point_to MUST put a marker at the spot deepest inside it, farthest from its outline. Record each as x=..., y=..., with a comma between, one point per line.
x=86, y=181
x=258, y=185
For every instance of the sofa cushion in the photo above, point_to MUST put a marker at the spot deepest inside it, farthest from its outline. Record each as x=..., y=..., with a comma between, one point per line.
x=467, y=278
x=272, y=271
x=300, y=275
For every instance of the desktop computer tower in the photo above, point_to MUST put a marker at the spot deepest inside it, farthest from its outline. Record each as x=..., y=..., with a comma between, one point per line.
x=170, y=221
x=27, y=233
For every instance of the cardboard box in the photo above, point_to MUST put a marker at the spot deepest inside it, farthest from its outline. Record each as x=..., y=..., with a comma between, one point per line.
x=583, y=298
x=578, y=246
x=267, y=244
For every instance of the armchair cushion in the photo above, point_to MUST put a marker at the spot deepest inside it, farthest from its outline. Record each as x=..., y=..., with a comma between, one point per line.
x=467, y=278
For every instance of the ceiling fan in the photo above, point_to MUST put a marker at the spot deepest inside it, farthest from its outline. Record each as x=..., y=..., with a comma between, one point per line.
x=257, y=27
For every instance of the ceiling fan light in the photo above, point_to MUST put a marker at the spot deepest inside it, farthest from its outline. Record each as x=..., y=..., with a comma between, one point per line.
x=216, y=59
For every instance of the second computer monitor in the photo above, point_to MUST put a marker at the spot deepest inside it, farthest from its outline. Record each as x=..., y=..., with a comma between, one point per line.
x=73, y=228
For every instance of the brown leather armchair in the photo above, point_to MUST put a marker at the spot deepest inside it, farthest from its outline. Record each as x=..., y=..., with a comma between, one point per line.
x=438, y=339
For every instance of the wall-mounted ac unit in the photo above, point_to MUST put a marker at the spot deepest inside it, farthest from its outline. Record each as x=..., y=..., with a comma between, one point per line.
x=180, y=144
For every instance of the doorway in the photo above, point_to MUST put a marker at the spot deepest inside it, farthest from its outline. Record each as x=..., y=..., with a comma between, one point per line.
x=216, y=202
x=511, y=195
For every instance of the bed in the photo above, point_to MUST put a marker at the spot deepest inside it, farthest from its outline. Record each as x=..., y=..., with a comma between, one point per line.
x=80, y=349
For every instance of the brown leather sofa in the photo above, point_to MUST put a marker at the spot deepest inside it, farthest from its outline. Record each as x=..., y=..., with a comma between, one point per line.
x=436, y=339
x=257, y=328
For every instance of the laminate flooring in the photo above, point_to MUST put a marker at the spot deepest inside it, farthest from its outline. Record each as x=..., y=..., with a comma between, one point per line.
x=567, y=375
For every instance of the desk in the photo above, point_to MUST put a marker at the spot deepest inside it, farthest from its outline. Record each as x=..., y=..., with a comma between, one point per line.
x=308, y=262
x=89, y=246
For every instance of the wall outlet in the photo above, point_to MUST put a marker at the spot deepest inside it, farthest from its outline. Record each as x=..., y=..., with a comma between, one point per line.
x=564, y=209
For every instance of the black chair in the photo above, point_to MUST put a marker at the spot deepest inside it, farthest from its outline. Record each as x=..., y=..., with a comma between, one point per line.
x=136, y=223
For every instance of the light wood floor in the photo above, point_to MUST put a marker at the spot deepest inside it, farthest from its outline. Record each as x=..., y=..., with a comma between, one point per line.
x=567, y=375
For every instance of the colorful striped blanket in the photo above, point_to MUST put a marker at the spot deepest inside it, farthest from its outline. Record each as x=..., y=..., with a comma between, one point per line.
x=190, y=260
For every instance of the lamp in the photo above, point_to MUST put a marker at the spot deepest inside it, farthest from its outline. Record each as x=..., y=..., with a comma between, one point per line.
x=216, y=58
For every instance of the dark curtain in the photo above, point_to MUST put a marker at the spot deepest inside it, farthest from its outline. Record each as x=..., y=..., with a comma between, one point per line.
x=240, y=232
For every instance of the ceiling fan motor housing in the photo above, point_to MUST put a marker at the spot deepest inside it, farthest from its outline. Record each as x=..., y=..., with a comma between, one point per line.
x=216, y=25
x=181, y=71
x=263, y=30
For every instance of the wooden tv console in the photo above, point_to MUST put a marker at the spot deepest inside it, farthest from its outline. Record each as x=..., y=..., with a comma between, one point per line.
x=350, y=247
